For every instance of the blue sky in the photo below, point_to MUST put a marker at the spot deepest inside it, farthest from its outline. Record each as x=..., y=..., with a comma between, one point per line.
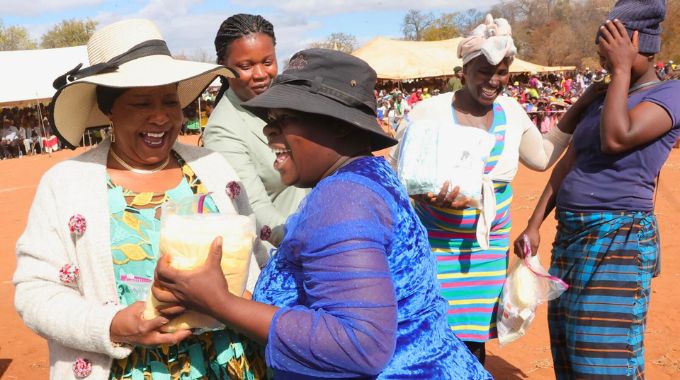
x=189, y=26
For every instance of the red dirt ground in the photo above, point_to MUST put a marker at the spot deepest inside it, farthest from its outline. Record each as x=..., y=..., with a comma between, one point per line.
x=23, y=354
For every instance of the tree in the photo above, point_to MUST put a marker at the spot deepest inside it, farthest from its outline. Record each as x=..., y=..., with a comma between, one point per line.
x=15, y=38
x=442, y=28
x=337, y=41
x=555, y=32
x=415, y=23
x=670, y=37
x=68, y=33
x=559, y=51
x=468, y=20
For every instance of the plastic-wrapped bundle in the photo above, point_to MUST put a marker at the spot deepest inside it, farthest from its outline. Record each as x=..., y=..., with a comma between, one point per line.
x=528, y=285
x=431, y=154
x=186, y=236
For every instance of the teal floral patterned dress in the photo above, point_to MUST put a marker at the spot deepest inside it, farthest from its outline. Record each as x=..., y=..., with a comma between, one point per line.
x=135, y=237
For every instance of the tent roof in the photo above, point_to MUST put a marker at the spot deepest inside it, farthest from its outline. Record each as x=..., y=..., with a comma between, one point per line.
x=26, y=76
x=396, y=59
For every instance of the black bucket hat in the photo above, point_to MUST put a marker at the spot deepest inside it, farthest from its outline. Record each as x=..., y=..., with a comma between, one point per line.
x=326, y=82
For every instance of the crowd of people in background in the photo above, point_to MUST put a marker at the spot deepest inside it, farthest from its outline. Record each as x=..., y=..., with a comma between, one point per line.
x=545, y=97
x=26, y=131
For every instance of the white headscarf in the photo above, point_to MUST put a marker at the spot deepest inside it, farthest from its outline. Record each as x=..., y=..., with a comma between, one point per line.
x=493, y=39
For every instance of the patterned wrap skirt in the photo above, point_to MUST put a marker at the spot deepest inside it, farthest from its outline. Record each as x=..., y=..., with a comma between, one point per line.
x=597, y=326
x=471, y=278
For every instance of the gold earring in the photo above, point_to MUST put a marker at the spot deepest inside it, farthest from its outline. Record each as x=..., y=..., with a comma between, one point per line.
x=113, y=135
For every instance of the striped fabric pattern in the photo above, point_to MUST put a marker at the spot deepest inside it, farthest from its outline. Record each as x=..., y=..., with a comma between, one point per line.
x=597, y=326
x=472, y=278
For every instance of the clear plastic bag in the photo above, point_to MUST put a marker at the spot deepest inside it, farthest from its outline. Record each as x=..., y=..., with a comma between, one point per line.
x=431, y=154
x=186, y=235
x=528, y=285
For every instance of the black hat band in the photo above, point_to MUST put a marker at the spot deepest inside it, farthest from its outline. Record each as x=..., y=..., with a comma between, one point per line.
x=317, y=86
x=144, y=49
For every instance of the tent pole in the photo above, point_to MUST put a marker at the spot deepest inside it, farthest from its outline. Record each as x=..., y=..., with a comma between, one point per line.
x=199, y=111
x=42, y=127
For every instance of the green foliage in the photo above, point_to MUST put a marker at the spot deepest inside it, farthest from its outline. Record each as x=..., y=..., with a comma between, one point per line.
x=442, y=28
x=68, y=33
x=15, y=38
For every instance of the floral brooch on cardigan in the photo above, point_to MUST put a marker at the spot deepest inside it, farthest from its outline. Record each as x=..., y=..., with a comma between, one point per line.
x=82, y=368
x=233, y=189
x=77, y=224
x=69, y=274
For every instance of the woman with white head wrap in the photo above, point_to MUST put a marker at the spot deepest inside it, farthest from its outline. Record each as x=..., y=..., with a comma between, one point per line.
x=472, y=244
x=493, y=40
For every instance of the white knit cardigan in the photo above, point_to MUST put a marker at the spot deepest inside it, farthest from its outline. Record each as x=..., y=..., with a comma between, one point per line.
x=75, y=318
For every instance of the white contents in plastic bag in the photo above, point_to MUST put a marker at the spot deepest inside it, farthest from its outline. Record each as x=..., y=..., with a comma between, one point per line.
x=524, y=292
x=431, y=154
x=186, y=236
x=528, y=285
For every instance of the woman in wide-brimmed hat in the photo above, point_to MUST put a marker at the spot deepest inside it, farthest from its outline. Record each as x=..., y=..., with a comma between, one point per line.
x=351, y=292
x=90, y=247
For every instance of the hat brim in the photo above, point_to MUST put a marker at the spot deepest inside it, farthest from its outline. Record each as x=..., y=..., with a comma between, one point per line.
x=293, y=97
x=74, y=107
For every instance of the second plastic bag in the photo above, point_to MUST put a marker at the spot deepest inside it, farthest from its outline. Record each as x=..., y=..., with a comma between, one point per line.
x=528, y=285
x=431, y=154
x=186, y=236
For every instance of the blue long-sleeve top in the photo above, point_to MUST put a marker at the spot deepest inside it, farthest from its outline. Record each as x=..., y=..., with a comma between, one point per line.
x=355, y=280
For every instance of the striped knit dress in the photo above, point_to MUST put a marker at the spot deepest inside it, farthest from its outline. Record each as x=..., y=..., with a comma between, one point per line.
x=472, y=278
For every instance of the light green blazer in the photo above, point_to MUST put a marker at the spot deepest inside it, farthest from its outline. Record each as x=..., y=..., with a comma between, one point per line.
x=237, y=135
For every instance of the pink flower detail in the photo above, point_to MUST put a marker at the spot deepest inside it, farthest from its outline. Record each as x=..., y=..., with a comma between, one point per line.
x=82, y=368
x=69, y=274
x=77, y=224
x=265, y=233
x=233, y=189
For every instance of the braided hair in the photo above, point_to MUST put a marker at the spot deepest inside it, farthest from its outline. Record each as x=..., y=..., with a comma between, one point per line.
x=233, y=28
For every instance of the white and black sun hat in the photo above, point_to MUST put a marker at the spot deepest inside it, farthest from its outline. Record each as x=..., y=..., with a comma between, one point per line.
x=125, y=54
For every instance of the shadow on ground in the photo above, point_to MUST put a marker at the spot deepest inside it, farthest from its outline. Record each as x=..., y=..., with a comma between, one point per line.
x=502, y=370
x=4, y=364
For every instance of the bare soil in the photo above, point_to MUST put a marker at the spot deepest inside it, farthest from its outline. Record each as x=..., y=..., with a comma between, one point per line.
x=23, y=354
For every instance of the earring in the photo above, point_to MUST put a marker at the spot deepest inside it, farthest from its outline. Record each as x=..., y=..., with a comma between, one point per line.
x=113, y=135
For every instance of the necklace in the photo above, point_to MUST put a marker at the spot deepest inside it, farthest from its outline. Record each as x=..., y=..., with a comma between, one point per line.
x=473, y=121
x=139, y=171
x=642, y=85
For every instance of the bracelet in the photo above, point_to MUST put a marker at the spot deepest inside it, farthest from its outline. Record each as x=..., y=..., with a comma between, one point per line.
x=121, y=345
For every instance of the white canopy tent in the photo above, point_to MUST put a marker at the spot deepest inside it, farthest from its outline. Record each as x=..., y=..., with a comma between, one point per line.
x=401, y=60
x=26, y=76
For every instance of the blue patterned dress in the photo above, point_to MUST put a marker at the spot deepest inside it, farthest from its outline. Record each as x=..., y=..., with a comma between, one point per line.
x=355, y=280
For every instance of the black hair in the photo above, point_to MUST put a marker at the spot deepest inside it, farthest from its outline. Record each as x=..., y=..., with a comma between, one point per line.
x=233, y=28
x=106, y=96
